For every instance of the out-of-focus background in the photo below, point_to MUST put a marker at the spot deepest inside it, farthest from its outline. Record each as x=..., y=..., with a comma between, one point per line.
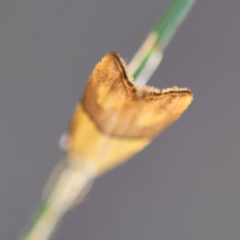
x=186, y=184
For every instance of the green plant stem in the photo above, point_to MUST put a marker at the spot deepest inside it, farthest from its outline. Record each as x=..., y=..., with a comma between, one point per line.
x=72, y=181
x=69, y=187
x=150, y=54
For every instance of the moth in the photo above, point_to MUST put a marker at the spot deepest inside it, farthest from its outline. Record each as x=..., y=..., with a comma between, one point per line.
x=116, y=118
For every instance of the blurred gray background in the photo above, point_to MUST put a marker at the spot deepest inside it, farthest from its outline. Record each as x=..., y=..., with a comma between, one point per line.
x=186, y=184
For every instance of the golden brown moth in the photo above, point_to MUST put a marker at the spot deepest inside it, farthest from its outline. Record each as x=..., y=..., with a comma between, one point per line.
x=116, y=118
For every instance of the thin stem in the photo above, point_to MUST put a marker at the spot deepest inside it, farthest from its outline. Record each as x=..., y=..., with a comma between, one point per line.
x=69, y=186
x=150, y=54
